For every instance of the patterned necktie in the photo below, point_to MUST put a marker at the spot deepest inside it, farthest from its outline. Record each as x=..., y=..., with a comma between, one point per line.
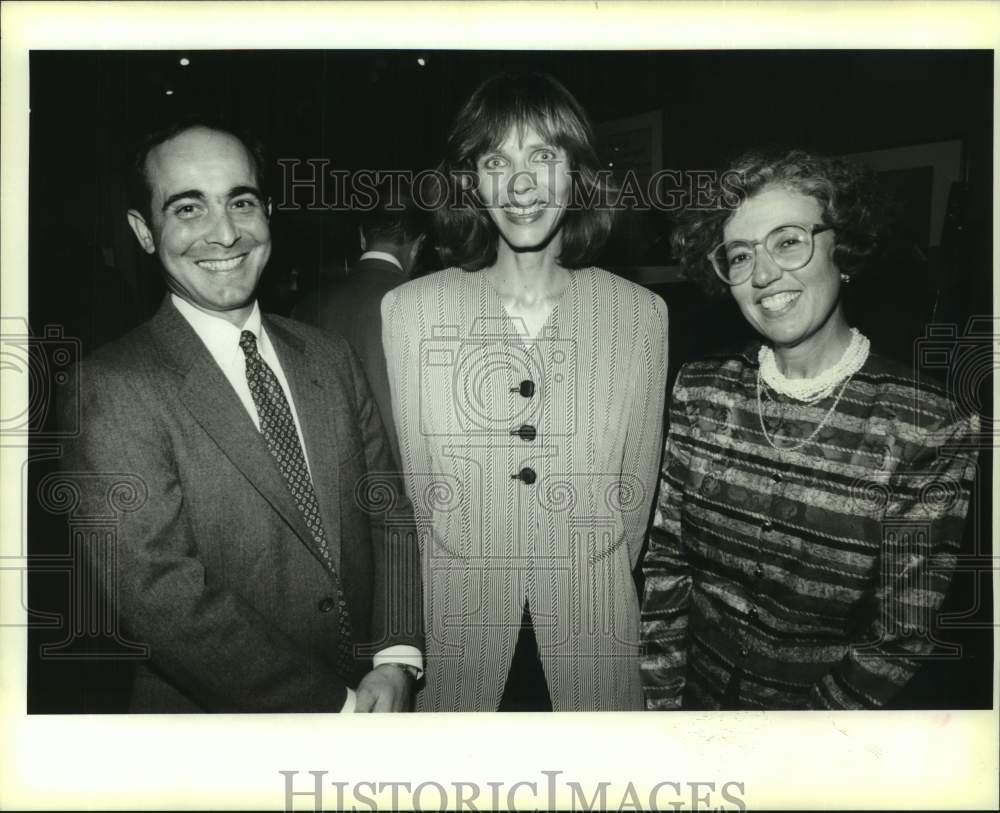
x=278, y=428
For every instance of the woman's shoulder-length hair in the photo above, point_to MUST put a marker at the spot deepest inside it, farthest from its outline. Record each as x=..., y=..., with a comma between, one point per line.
x=848, y=195
x=466, y=235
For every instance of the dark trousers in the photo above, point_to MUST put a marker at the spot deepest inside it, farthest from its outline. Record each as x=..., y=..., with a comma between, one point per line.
x=526, y=689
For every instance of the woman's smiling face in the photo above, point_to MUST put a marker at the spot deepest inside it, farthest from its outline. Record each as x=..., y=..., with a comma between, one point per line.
x=525, y=184
x=789, y=308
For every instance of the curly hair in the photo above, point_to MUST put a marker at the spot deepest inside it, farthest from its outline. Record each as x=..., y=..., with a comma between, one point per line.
x=847, y=193
x=466, y=235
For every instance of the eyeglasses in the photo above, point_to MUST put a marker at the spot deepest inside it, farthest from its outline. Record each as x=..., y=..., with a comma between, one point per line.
x=789, y=247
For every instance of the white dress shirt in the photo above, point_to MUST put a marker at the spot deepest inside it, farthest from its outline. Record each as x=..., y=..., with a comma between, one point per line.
x=385, y=256
x=222, y=339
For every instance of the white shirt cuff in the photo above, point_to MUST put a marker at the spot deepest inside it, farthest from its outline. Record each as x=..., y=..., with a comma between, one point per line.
x=349, y=703
x=400, y=653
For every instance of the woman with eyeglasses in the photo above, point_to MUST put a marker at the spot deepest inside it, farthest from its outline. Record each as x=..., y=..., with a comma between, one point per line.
x=812, y=495
x=528, y=393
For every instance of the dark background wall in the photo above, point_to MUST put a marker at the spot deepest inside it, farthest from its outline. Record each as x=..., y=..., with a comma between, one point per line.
x=381, y=110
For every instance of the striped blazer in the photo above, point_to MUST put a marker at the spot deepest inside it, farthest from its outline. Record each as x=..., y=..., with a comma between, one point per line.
x=533, y=469
x=805, y=578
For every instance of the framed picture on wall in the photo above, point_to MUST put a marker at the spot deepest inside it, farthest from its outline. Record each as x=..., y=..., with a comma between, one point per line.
x=924, y=258
x=631, y=149
x=919, y=177
x=633, y=144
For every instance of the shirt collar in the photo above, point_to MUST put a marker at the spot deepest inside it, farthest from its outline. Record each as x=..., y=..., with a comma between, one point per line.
x=218, y=335
x=385, y=256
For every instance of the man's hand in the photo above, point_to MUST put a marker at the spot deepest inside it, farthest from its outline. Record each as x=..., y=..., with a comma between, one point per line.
x=388, y=687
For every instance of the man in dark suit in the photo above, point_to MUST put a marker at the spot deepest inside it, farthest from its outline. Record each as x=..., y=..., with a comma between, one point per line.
x=259, y=570
x=391, y=234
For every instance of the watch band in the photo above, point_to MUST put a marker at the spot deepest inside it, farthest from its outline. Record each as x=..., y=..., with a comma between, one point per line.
x=412, y=671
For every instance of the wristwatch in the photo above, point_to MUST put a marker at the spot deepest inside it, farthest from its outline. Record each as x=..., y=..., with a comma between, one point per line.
x=412, y=671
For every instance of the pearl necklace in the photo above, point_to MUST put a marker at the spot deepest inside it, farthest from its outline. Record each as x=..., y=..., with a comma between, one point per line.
x=810, y=390
x=795, y=447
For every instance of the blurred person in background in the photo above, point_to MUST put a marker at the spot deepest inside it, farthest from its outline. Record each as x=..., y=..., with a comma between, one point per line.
x=391, y=234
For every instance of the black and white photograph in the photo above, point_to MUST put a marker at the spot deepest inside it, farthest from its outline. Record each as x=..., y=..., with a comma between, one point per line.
x=464, y=382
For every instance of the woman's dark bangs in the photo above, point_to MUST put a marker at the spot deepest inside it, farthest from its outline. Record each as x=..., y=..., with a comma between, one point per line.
x=552, y=125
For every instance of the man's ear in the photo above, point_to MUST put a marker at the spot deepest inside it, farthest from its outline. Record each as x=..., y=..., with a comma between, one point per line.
x=410, y=260
x=415, y=249
x=141, y=231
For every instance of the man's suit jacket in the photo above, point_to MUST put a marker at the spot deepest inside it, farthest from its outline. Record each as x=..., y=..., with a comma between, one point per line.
x=352, y=308
x=217, y=571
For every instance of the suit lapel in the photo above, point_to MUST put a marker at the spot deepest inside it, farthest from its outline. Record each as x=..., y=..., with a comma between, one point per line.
x=215, y=406
x=319, y=431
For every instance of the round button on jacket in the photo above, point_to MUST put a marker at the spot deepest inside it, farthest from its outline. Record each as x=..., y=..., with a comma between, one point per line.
x=327, y=604
x=526, y=388
x=526, y=475
x=526, y=432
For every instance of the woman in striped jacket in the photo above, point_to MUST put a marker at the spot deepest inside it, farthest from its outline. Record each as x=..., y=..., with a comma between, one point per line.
x=528, y=394
x=813, y=496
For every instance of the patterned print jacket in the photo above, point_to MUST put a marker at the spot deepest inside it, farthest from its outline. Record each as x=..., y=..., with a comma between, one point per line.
x=806, y=578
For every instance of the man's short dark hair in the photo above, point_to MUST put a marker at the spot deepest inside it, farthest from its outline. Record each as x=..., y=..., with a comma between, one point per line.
x=395, y=217
x=139, y=191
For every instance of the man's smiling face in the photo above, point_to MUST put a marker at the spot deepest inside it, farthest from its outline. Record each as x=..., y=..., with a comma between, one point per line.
x=209, y=224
